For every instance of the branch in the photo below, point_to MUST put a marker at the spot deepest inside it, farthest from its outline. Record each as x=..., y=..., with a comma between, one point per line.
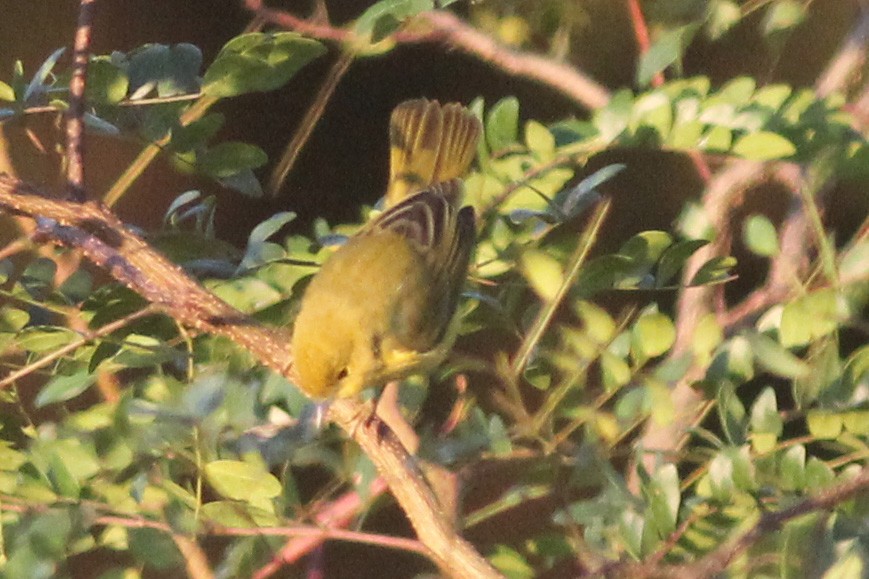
x=75, y=114
x=339, y=513
x=86, y=337
x=447, y=28
x=110, y=245
x=564, y=78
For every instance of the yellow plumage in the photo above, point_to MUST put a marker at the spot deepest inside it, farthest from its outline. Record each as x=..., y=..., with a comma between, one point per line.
x=380, y=308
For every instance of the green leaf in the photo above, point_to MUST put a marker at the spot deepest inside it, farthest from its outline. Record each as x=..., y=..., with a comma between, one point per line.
x=511, y=563
x=652, y=335
x=226, y=159
x=716, y=270
x=107, y=83
x=717, y=138
x=63, y=388
x=773, y=96
x=818, y=474
x=236, y=514
x=100, y=125
x=502, y=124
x=664, y=499
x=191, y=136
x=539, y=140
x=499, y=437
x=857, y=422
x=257, y=246
x=723, y=15
x=242, y=481
x=7, y=93
x=645, y=248
x=572, y=201
x=543, y=272
x=707, y=336
x=245, y=182
x=772, y=356
x=36, y=84
x=792, y=468
x=44, y=338
x=823, y=424
x=615, y=371
x=62, y=480
x=809, y=318
x=653, y=112
x=12, y=319
x=666, y=50
x=597, y=323
x=732, y=414
x=385, y=17
x=674, y=258
x=766, y=423
x=734, y=360
x=258, y=62
x=154, y=548
x=612, y=120
x=783, y=15
x=631, y=528
x=168, y=70
x=760, y=236
x=763, y=146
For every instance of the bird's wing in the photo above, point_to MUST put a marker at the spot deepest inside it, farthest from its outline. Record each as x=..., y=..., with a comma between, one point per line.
x=444, y=237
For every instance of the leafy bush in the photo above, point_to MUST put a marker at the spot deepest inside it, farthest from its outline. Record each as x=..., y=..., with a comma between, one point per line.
x=127, y=432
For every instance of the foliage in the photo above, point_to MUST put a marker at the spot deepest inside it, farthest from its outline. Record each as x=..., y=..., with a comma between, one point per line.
x=129, y=430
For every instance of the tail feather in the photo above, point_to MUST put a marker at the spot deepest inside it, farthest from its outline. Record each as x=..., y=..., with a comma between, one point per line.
x=429, y=144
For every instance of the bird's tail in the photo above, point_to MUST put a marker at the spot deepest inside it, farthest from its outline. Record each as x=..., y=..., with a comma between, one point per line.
x=429, y=143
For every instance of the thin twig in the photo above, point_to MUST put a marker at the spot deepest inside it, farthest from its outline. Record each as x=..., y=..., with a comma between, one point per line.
x=306, y=127
x=75, y=344
x=75, y=114
x=547, y=311
x=564, y=78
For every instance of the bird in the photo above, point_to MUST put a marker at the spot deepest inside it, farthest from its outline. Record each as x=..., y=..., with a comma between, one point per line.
x=382, y=307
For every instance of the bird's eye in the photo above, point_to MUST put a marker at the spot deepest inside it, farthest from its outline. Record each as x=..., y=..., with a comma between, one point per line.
x=342, y=374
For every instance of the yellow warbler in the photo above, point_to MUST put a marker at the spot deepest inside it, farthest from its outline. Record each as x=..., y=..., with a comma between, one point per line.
x=381, y=306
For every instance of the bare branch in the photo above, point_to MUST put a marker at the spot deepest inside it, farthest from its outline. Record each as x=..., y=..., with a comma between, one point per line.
x=75, y=114
x=449, y=29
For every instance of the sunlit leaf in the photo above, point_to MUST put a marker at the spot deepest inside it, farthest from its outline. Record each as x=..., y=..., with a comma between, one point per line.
x=763, y=146
x=258, y=62
x=502, y=124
